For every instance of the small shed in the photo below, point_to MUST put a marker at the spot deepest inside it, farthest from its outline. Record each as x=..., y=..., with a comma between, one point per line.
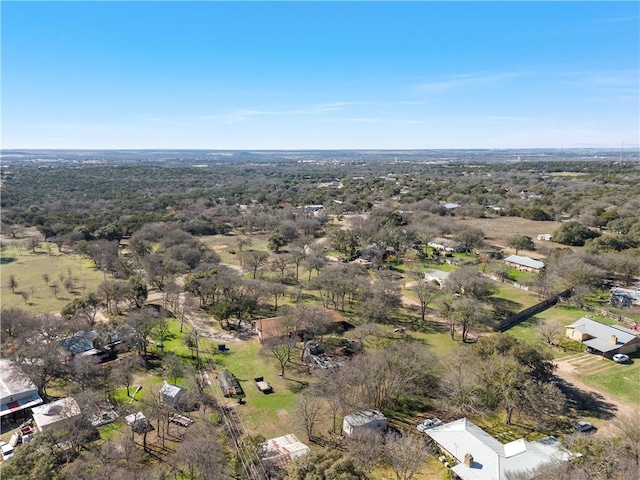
x=138, y=422
x=281, y=450
x=366, y=419
x=171, y=394
x=229, y=384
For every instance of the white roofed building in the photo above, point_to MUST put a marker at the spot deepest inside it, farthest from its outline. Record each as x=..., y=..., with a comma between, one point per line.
x=524, y=263
x=366, y=419
x=437, y=276
x=483, y=457
x=17, y=392
x=281, y=450
x=171, y=394
x=55, y=413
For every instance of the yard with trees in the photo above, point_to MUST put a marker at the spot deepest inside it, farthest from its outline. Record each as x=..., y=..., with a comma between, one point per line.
x=185, y=270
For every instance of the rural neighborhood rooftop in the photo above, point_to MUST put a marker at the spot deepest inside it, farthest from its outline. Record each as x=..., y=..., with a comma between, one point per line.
x=491, y=459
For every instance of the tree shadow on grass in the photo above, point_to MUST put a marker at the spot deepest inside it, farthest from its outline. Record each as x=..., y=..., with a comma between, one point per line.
x=505, y=307
x=590, y=402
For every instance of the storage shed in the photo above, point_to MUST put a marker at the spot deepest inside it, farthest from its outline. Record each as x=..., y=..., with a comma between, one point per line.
x=281, y=450
x=171, y=394
x=366, y=419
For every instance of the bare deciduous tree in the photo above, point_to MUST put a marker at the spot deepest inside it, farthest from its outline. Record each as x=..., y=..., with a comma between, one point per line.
x=405, y=455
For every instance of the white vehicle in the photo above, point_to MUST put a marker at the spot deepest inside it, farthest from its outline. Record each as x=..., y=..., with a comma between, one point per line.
x=621, y=358
x=7, y=451
x=430, y=423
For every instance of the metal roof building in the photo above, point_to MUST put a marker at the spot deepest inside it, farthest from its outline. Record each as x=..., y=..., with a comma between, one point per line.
x=282, y=450
x=17, y=391
x=366, y=419
x=171, y=394
x=526, y=262
x=482, y=457
x=607, y=339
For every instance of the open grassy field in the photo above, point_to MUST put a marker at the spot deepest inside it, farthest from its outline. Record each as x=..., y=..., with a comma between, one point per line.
x=224, y=244
x=499, y=229
x=514, y=298
x=28, y=269
x=266, y=414
x=619, y=380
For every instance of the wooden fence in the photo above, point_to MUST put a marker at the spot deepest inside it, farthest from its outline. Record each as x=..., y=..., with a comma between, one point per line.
x=520, y=317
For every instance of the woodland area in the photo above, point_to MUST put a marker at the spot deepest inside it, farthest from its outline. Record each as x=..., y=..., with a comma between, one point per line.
x=183, y=258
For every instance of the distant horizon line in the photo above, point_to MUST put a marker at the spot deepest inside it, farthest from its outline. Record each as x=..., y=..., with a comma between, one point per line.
x=611, y=148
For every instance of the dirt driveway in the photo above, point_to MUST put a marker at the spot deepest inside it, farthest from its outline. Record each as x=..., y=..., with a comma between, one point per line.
x=604, y=403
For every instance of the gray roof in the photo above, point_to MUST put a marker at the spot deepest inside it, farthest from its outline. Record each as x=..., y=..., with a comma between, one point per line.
x=17, y=391
x=13, y=381
x=601, y=334
x=364, y=417
x=525, y=261
x=436, y=274
x=169, y=390
x=493, y=460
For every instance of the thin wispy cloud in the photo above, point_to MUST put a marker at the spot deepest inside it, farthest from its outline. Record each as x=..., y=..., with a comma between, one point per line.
x=625, y=83
x=466, y=80
x=243, y=115
x=632, y=18
x=502, y=118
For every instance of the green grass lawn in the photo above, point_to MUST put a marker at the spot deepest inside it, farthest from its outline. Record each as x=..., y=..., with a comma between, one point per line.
x=438, y=342
x=28, y=268
x=620, y=380
x=224, y=244
x=517, y=298
x=267, y=414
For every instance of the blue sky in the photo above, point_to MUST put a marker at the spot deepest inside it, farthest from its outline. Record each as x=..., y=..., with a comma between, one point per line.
x=316, y=75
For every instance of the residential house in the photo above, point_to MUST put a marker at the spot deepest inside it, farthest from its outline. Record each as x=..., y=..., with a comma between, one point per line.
x=525, y=264
x=171, y=394
x=451, y=206
x=372, y=420
x=274, y=327
x=281, y=450
x=482, y=457
x=606, y=340
x=56, y=414
x=17, y=393
x=446, y=245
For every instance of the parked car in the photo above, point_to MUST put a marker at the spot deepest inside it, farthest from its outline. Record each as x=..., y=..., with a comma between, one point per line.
x=585, y=427
x=430, y=423
x=7, y=450
x=621, y=358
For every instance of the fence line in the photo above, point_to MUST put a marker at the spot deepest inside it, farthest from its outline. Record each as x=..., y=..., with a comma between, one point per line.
x=520, y=317
x=604, y=313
